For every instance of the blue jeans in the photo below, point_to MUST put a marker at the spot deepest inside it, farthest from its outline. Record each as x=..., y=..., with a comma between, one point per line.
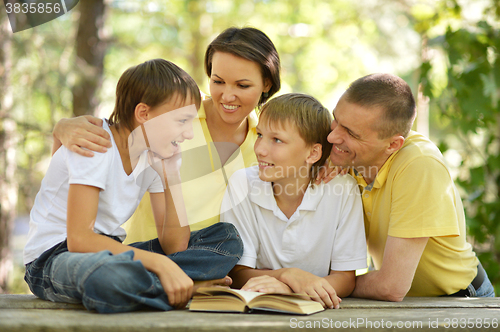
x=485, y=290
x=111, y=283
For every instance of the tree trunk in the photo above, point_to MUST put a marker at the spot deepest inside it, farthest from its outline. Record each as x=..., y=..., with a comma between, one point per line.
x=90, y=50
x=422, y=100
x=8, y=185
x=197, y=47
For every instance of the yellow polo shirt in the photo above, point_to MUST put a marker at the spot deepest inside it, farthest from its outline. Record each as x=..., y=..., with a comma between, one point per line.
x=412, y=196
x=204, y=179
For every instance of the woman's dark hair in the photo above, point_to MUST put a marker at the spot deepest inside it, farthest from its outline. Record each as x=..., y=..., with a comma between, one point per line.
x=250, y=44
x=153, y=83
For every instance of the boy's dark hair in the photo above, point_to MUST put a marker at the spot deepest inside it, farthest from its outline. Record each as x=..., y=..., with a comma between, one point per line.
x=250, y=44
x=153, y=83
x=393, y=95
x=312, y=120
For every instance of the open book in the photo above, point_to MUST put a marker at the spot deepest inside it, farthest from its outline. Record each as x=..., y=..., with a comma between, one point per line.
x=234, y=300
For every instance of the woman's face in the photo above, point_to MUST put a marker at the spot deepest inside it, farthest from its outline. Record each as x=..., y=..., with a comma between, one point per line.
x=236, y=85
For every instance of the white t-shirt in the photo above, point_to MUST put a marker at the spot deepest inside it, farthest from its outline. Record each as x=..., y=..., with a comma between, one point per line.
x=119, y=197
x=325, y=233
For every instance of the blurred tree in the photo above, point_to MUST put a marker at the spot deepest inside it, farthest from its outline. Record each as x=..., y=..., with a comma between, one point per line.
x=467, y=99
x=8, y=185
x=90, y=51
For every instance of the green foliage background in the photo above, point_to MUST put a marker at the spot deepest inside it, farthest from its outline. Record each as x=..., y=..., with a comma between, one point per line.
x=324, y=44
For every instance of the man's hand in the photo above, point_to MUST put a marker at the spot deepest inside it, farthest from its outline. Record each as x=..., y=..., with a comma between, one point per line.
x=328, y=171
x=317, y=288
x=81, y=133
x=266, y=284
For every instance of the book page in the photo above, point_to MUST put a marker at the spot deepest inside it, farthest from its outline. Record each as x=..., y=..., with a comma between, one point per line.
x=245, y=296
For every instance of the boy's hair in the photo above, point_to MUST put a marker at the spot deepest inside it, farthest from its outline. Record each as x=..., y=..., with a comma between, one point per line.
x=393, y=95
x=153, y=83
x=253, y=45
x=312, y=120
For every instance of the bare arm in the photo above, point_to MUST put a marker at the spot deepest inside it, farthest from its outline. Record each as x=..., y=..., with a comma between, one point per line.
x=168, y=207
x=82, y=210
x=242, y=274
x=81, y=133
x=393, y=280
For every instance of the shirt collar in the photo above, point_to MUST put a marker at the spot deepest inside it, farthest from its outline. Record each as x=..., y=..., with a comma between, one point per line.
x=262, y=194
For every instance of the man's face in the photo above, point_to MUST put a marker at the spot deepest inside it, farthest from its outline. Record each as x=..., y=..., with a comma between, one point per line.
x=355, y=142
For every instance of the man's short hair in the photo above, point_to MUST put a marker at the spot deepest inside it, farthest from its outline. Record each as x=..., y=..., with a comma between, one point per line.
x=390, y=93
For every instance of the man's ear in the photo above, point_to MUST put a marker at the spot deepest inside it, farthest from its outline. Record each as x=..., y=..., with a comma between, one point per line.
x=315, y=155
x=395, y=143
x=141, y=113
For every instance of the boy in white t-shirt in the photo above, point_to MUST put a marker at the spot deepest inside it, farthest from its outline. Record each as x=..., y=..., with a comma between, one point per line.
x=74, y=252
x=297, y=236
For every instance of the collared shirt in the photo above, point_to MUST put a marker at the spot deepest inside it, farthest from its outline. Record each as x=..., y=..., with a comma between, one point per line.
x=324, y=233
x=413, y=195
x=204, y=179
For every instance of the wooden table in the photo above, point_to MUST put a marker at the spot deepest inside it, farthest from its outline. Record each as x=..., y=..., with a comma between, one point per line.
x=28, y=314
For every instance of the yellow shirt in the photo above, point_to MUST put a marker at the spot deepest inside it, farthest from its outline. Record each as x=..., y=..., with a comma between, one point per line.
x=204, y=179
x=414, y=195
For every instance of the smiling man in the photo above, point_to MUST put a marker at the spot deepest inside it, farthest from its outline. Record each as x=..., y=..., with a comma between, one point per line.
x=414, y=218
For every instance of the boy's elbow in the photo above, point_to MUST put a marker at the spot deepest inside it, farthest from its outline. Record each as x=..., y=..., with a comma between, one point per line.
x=172, y=246
x=75, y=243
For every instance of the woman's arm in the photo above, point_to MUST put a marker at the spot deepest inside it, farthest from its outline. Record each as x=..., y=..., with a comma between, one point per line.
x=82, y=211
x=80, y=135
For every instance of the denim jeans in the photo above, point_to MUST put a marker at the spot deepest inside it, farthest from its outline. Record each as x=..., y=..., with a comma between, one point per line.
x=116, y=283
x=485, y=290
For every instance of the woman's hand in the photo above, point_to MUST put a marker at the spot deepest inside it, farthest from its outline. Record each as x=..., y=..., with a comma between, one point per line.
x=82, y=135
x=266, y=284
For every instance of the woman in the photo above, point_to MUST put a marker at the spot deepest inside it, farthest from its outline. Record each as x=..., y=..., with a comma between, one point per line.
x=244, y=71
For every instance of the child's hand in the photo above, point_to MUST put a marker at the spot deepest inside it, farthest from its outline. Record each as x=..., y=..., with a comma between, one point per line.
x=176, y=284
x=167, y=169
x=266, y=284
x=318, y=288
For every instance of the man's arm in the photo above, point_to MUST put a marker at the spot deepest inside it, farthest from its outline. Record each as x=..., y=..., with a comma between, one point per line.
x=393, y=280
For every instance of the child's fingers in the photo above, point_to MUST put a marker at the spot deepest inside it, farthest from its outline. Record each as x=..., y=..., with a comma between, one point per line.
x=316, y=297
x=325, y=297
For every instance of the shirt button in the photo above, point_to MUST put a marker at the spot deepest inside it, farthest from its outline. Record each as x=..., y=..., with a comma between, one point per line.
x=369, y=213
x=367, y=195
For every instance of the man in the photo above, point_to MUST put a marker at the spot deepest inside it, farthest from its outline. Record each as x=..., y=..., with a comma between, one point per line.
x=414, y=218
